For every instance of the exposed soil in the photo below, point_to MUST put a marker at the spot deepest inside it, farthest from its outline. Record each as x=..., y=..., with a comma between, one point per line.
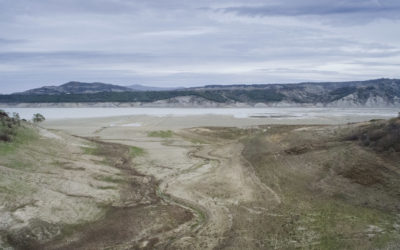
x=258, y=187
x=137, y=218
x=138, y=222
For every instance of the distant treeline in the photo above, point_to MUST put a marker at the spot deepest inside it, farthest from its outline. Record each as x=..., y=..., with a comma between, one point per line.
x=220, y=96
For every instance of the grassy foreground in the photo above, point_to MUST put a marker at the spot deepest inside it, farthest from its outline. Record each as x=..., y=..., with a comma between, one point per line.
x=337, y=186
x=338, y=192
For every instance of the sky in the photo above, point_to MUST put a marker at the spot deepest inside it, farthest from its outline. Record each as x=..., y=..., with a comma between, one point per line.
x=188, y=43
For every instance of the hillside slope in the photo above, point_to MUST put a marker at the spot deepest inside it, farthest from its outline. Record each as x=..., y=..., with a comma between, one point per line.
x=336, y=193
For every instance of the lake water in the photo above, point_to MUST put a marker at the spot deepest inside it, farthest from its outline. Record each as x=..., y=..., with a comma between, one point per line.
x=278, y=113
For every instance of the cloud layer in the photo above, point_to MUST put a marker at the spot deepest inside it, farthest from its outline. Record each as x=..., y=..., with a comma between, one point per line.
x=189, y=43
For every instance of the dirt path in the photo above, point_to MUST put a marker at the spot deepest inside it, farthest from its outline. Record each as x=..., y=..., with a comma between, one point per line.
x=223, y=182
x=209, y=179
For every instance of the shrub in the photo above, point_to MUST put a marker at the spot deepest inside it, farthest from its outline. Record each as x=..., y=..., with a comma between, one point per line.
x=38, y=118
x=381, y=136
x=8, y=126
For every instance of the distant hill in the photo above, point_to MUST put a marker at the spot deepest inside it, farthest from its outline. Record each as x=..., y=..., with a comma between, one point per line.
x=372, y=93
x=76, y=88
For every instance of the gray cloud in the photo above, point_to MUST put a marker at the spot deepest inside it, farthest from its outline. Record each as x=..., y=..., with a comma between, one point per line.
x=10, y=41
x=367, y=9
x=53, y=56
x=188, y=43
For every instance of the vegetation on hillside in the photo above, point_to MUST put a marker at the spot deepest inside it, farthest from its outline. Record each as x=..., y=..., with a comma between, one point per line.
x=15, y=131
x=380, y=135
x=148, y=96
x=387, y=89
x=335, y=194
x=8, y=126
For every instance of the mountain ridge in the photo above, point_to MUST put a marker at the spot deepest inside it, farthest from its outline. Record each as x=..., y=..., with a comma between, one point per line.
x=382, y=92
x=76, y=87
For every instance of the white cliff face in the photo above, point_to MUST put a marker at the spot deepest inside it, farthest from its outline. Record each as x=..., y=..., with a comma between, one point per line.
x=347, y=101
x=183, y=101
x=376, y=101
x=372, y=102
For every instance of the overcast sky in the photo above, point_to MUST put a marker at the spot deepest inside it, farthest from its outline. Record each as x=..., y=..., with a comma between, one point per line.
x=195, y=42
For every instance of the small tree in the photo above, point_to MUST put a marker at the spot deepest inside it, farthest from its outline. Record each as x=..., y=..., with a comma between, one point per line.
x=38, y=118
x=3, y=114
x=16, y=118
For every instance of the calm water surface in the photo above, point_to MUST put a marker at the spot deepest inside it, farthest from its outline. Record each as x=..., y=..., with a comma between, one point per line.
x=278, y=113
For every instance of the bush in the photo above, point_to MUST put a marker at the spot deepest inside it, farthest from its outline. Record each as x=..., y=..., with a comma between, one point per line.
x=38, y=118
x=381, y=135
x=4, y=136
x=3, y=114
x=8, y=126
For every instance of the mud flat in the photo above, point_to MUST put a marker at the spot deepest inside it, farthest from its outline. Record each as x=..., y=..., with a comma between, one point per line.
x=59, y=191
x=207, y=175
x=203, y=182
x=250, y=183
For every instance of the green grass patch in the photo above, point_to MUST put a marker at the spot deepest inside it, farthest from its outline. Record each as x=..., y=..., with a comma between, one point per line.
x=21, y=136
x=136, y=151
x=336, y=221
x=110, y=179
x=201, y=217
x=161, y=134
x=333, y=224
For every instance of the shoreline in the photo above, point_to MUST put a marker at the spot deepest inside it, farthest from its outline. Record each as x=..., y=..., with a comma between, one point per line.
x=212, y=116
